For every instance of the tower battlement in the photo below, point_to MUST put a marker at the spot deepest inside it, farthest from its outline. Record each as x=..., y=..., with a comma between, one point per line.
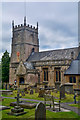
x=21, y=26
x=24, y=26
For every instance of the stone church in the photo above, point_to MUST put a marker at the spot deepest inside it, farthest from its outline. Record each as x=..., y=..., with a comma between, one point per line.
x=29, y=66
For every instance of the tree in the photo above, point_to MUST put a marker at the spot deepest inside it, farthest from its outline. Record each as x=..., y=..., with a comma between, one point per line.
x=5, y=66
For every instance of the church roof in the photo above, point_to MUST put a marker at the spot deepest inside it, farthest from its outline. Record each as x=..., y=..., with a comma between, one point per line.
x=59, y=54
x=78, y=58
x=74, y=67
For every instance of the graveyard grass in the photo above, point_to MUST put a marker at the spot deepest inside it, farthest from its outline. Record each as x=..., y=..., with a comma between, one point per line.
x=68, y=98
x=31, y=112
x=75, y=105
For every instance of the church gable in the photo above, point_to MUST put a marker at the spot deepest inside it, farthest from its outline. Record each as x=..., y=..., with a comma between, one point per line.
x=21, y=70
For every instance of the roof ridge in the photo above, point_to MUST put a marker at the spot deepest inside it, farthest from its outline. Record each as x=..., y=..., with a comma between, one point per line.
x=58, y=49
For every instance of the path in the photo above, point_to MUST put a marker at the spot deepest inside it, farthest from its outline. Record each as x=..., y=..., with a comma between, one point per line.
x=63, y=105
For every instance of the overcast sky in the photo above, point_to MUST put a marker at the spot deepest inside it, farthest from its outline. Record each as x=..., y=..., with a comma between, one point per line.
x=58, y=23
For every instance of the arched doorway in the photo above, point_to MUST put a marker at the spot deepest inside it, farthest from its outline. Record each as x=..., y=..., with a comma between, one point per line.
x=21, y=80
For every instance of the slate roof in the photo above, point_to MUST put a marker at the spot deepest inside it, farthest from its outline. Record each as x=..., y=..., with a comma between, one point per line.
x=74, y=68
x=53, y=54
x=78, y=58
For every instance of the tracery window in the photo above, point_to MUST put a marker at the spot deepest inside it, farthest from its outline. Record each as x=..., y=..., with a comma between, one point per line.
x=45, y=74
x=58, y=74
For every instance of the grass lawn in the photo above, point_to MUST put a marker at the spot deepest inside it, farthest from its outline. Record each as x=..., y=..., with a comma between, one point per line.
x=27, y=96
x=68, y=98
x=75, y=105
x=31, y=112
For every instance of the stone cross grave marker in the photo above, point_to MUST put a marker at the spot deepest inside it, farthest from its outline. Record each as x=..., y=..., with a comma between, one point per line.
x=40, y=112
x=17, y=99
x=17, y=110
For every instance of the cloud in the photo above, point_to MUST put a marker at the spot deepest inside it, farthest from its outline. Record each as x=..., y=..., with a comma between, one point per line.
x=56, y=39
x=57, y=22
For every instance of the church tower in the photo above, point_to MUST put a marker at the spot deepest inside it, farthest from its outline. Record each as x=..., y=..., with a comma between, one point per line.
x=24, y=41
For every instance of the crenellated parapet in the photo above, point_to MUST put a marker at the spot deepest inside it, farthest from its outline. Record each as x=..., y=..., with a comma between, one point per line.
x=24, y=26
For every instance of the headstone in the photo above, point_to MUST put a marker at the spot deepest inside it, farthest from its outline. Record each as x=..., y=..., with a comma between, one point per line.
x=62, y=91
x=31, y=91
x=40, y=112
x=36, y=90
x=29, y=87
x=69, y=87
x=57, y=85
x=26, y=90
x=77, y=90
x=22, y=93
x=41, y=93
x=18, y=91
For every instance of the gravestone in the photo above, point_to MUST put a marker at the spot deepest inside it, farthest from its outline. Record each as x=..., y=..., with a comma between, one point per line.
x=77, y=90
x=62, y=91
x=22, y=93
x=41, y=93
x=26, y=90
x=17, y=110
x=19, y=91
x=40, y=112
x=31, y=91
x=57, y=85
x=69, y=88
x=36, y=90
